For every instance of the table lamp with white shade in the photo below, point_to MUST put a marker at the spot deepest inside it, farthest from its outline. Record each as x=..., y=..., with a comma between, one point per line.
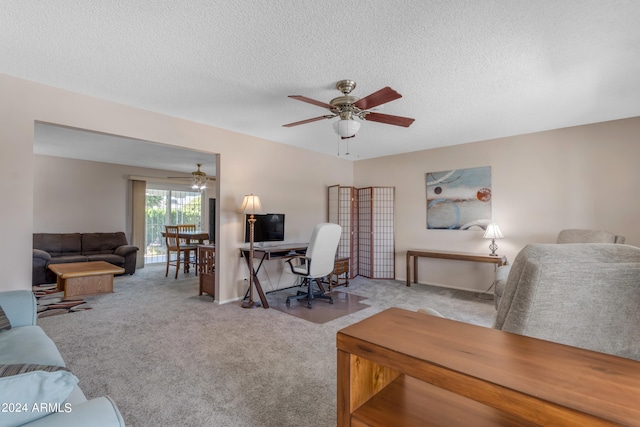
x=493, y=232
x=250, y=205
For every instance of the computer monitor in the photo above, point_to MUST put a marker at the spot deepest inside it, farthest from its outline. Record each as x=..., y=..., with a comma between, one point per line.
x=267, y=228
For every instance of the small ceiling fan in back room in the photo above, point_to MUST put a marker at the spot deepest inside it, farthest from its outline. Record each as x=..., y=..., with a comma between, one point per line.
x=348, y=108
x=198, y=178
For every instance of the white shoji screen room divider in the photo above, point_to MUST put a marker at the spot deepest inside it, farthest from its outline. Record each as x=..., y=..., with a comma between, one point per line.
x=367, y=219
x=343, y=208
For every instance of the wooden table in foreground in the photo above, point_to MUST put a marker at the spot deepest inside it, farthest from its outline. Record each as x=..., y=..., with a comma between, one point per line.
x=85, y=278
x=403, y=368
x=460, y=256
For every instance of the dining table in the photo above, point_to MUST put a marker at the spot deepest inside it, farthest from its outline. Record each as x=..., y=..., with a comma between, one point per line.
x=191, y=237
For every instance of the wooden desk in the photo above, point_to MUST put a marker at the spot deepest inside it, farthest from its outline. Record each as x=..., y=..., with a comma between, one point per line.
x=460, y=256
x=85, y=278
x=266, y=253
x=404, y=368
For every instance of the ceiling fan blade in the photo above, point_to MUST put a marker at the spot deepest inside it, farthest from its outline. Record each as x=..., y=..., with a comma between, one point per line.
x=384, y=95
x=312, y=101
x=211, y=178
x=389, y=119
x=315, y=119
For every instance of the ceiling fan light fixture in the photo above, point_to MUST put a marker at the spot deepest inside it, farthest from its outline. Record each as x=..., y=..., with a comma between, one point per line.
x=346, y=128
x=199, y=182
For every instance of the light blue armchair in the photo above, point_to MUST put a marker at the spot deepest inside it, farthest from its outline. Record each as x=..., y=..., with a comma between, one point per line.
x=42, y=394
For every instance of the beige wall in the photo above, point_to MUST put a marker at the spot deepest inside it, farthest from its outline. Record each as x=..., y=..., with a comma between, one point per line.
x=78, y=196
x=273, y=171
x=580, y=177
x=583, y=177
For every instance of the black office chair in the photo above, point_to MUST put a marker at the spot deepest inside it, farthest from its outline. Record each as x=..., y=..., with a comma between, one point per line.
x=318, y=261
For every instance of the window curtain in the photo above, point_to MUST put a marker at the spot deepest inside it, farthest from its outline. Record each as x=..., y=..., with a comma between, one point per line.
x=138, y=215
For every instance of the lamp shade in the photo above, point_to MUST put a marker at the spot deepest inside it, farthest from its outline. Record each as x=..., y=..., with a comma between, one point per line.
x=251, y=205
x=346, y=128
x=493, y=232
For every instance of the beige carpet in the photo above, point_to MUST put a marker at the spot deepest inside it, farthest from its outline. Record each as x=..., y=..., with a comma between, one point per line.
x=169, y=357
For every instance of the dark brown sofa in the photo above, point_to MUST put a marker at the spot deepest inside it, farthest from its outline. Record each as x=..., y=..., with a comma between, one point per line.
x=59, y=248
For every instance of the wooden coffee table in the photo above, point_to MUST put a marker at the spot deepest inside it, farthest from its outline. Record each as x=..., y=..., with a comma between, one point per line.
x=85, y=278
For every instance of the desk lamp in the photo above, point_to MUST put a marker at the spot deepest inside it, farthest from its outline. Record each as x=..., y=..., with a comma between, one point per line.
x=493, y=232
x=250, y=205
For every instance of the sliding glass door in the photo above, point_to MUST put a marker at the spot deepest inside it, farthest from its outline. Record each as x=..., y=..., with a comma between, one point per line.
x=168, y=207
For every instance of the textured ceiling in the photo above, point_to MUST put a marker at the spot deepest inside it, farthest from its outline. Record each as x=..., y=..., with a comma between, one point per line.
x=468, y=70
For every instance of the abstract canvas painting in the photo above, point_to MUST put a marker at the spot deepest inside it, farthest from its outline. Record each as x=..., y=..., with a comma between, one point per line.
x=459, y=199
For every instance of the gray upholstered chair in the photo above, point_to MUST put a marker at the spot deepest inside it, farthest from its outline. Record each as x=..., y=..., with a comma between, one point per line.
x=582, y=295
x=318, y=261
x=577, y=235
x=571, y=235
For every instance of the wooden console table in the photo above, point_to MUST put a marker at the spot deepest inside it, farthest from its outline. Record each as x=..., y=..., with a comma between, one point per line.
x=460, y=256
x=404, y=368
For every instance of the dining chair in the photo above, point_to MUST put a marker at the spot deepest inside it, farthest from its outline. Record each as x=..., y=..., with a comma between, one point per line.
x=186, y=228
x=181, y=250
x=187, y=241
